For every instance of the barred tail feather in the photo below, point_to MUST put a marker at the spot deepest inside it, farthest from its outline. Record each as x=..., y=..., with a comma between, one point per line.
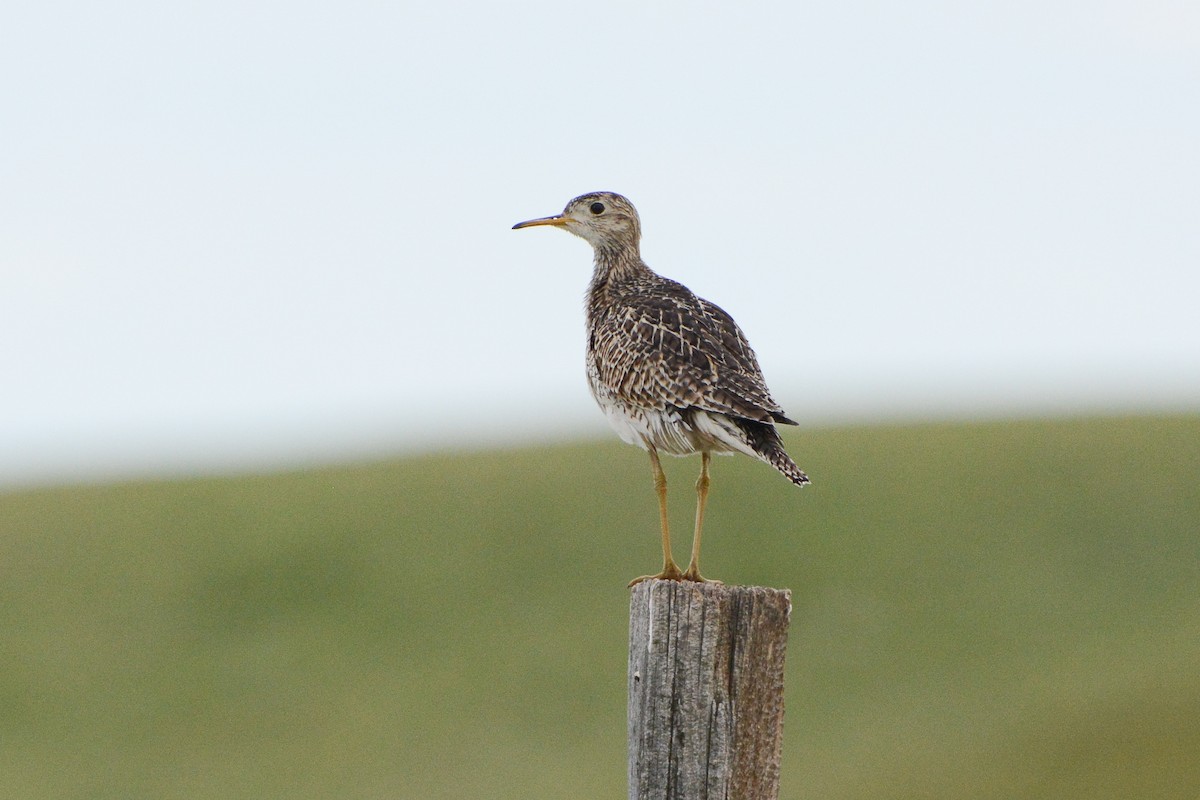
x=750, y=436
x=780, y=460
x=767, y=445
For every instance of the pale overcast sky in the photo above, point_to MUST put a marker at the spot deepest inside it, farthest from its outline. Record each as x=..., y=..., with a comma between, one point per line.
x=248, y=234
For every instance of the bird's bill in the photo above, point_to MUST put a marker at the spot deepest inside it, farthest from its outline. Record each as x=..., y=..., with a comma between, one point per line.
x=558, y=221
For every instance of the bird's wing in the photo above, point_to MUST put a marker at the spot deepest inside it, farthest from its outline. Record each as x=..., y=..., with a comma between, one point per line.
x=671, y=348
x=746, y=379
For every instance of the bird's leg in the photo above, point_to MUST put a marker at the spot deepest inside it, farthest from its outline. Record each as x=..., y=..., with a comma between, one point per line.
x=670, y=570
x=693, y=570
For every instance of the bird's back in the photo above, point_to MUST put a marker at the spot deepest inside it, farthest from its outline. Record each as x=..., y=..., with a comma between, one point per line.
x=655, y=348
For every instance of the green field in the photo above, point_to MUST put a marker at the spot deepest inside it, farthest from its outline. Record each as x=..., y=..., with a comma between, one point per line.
x=1002, y=610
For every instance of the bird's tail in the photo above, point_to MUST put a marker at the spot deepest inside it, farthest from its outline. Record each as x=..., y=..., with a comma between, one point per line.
x=781, y=461
x=767, y=445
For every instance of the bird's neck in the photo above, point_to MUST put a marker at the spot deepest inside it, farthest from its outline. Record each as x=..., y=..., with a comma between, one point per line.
x=617, y=263
x=613, y=267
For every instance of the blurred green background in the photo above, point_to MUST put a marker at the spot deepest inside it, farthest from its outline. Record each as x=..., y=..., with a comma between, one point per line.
x=1000, y=610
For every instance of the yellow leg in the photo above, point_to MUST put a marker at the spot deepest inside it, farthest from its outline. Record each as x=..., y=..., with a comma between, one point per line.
x=693, y=570
x=670, y=570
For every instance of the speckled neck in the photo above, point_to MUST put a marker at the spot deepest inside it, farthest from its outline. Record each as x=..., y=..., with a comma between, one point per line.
x=612, y=265
x=617, y=260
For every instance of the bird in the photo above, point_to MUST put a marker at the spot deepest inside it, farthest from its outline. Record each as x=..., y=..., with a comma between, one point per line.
x=672, y=372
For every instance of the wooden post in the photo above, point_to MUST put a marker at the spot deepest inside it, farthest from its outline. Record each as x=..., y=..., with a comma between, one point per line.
x=705, y=690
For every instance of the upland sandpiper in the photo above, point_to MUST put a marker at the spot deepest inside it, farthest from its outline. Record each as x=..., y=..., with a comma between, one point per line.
x=672, y=372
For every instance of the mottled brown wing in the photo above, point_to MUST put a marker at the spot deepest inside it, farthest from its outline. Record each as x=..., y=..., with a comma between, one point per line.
x=658, y=345
x=746, y=380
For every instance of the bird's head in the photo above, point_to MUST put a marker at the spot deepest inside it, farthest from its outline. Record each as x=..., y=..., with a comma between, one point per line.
x=605, y=219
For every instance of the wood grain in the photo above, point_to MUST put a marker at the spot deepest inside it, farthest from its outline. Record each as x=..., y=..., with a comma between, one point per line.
x=706, y=690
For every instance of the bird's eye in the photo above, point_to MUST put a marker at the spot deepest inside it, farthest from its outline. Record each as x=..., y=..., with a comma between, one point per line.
x=597, y=208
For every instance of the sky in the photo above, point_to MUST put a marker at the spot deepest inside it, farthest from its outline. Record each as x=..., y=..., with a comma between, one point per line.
x=247, y=235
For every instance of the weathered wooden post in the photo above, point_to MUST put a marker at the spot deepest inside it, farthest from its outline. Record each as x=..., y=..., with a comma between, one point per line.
x=705, y=690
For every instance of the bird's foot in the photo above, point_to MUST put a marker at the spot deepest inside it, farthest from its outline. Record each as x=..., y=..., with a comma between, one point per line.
x=693, y=574
x=671, y=572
